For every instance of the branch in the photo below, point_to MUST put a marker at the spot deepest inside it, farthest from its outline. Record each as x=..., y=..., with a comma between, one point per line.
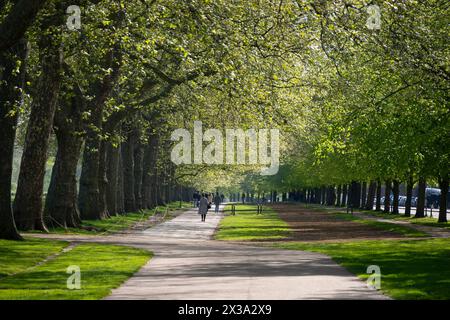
x=172, y=83
x=406, y=86
x=21, y=17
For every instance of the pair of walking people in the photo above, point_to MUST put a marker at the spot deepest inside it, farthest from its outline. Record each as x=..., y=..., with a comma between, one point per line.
x=205, y=205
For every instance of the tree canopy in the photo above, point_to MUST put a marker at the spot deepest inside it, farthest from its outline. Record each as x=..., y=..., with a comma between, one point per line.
x=358, y=92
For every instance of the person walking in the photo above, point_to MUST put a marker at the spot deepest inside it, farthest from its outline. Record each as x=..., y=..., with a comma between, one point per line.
x=203, y=207
x=217, y=201
x=264, y=200
x=210, y=198
x=196, y=198
x=243, y=197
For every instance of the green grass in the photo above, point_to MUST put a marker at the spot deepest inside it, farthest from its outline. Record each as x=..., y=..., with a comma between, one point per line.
x=247, y=225
x=118, y=223
x=103, y=267
x=395, y=228
x=410, y=269
x=105, y=226
x=111, y=225
x=16, y=256
x=391, y=227
x=427, y=221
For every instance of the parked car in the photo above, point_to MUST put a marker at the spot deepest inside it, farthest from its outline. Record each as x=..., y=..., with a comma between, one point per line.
x=432, y=197
x=413, y=201
x=391, y=198
x=402, y=201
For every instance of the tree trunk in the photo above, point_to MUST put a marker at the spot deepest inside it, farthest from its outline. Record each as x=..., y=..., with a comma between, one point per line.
x=91, y=202
x=19, y=19
x=350, y=194
x=128, y=173
x=443, y=185
x=112, y=172
x=149, y=164
x=363, y=195
x=387, y=197
x=160, y=183
x=120, y=193
x=358, y=195
x=102, y=177
x=10, y=96
x=420, y=207
x=370, y=195
x=61, y=208
x=339, y=195
x=322, y=195
x=156, y=187
x=395, y=191
x=163, y=187
x=89, y=197
x=409, y=189
x=138, y=174
x=146, y=176
x=332, y=196
x=355, y=194
x=28, y=206
x=378, y=201
x=344, y=195
x=109, y=164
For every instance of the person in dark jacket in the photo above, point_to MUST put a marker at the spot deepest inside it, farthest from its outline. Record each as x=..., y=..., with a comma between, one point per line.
x=203, y=207
x=196, y=198
x=217, y=202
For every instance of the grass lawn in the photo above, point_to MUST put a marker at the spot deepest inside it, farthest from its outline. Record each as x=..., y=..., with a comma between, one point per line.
x=118, y=223
x=395, y=228
x=427, y=221
x=16, y=256
x=103, y=267
x=410, y=269
x=247, y=225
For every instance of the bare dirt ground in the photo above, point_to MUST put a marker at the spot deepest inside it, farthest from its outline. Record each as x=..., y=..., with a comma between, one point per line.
x=311, y=225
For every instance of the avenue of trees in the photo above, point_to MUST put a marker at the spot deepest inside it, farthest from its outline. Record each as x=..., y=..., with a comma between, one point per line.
x=356, y=106
x=376, y=112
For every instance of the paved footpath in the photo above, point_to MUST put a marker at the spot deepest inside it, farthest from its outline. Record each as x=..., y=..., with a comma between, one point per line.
x=189, y=265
